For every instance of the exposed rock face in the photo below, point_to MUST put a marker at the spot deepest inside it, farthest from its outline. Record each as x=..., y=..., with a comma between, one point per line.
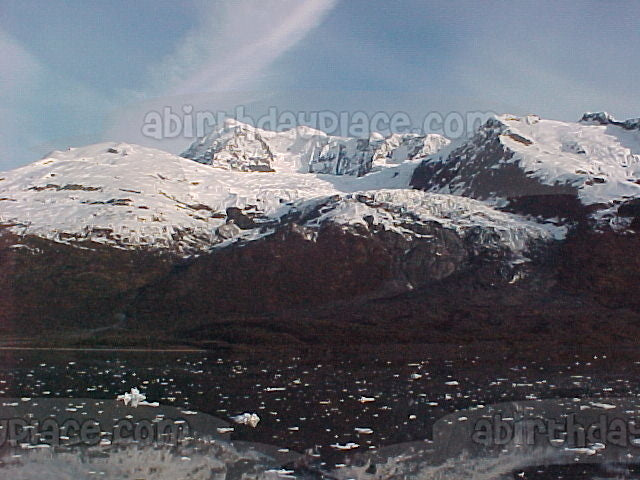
x=352, y=156
x=49, y=285
x=346, y=248
x=342, y=288
x=323, y=254
x=288, y=270
x=244, y=221
x=630, y=208
x=602, y=264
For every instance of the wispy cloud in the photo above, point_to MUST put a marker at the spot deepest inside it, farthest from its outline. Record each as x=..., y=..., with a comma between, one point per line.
x=230, y=47
x=18, y=75
x=235, y=42
x=17, y=65
x=41, y=109
x=222, y=62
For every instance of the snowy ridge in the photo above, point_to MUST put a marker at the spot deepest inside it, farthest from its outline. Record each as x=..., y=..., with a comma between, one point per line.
x=597, y=159
x=130, y=195
x=404, y=211
x=603, y=162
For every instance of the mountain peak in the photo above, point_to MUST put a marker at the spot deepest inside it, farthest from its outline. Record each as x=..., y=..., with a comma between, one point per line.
x=600, y=118
x=230, y=123
x=604, y=118
x=240, y=146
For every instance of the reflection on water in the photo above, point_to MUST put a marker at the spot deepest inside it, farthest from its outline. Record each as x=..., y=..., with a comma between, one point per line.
x=315, y=404
x=204, y=461
x=223, y=461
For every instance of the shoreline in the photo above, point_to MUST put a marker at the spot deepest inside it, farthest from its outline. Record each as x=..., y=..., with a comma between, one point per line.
x=492, y=351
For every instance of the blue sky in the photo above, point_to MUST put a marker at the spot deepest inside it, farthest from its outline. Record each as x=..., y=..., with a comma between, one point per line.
x=76, y=72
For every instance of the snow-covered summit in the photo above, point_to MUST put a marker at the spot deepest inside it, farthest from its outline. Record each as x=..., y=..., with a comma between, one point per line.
x=240, y=146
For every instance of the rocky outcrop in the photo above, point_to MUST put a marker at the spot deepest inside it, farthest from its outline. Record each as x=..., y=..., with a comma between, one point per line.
x=630, y=208
x=630, y=211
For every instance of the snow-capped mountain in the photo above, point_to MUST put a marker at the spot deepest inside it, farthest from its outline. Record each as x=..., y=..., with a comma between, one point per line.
x=132, y=195
x=248, y=229
x=246, y=183
x=514, y=159
x=128, y=196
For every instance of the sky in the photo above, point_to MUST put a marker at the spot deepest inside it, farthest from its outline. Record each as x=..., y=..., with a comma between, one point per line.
x=77, y=72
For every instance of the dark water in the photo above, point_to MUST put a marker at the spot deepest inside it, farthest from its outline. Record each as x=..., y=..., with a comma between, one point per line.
x=323, y=401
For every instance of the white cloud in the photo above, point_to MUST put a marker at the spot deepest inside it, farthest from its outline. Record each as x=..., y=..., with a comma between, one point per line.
x=235, y=42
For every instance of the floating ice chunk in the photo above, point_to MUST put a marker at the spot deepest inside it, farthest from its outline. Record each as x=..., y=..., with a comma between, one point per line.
x=582, y=450
x=250, y=419
x=282, y=473
x=364, y=399
x=606, y=406
x=346, y=446
x=134, y=398
x=363, y=430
